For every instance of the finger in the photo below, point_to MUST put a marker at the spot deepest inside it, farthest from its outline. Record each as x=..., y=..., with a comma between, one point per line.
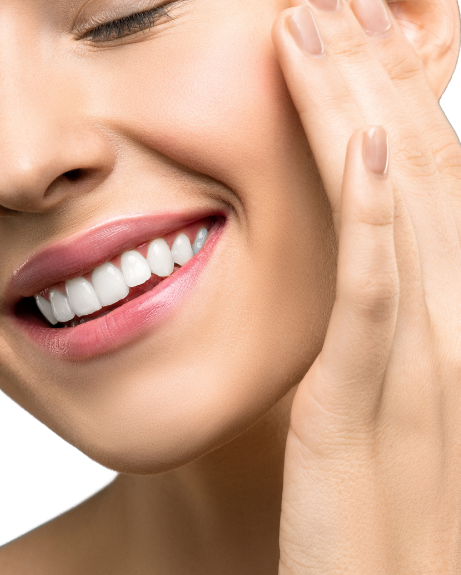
x=327, y=109
x=408, y=75
x=346, y=379
x=353, y=51
x=330, y=442
x=442, y=191
x=404, y=67
x=349, y=81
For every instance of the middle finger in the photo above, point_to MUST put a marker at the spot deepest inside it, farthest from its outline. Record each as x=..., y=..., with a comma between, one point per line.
x=338, y=85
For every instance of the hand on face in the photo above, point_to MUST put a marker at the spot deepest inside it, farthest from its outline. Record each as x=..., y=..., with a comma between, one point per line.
x=372, y=462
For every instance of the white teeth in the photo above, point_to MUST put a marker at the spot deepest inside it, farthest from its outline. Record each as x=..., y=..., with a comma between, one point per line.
x=82, y=297
x=45, y=307
x=182, y=250
x=109, y=285
x=60, y=306
x=135, y=268
x=200, y=240
x=160, y=259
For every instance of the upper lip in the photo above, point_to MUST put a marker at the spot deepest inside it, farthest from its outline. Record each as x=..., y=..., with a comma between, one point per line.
x=83, y=251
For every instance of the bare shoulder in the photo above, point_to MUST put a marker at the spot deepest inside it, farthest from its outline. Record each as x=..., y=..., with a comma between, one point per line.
x=33, y=553
x=73, y=543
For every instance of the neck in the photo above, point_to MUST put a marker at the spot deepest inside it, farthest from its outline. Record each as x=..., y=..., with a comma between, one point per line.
x=217, y=515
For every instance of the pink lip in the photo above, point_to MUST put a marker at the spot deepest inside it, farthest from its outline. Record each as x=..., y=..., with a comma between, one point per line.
x=83, y=252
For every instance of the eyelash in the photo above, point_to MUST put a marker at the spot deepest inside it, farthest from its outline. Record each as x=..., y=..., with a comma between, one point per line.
x=122, y=27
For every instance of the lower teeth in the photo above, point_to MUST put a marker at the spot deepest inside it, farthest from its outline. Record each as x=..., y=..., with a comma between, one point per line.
x=142, y=289
x=85, y=303
x=78, y=321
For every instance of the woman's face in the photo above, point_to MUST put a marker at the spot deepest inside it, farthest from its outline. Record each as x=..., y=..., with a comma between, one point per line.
x=110, y=143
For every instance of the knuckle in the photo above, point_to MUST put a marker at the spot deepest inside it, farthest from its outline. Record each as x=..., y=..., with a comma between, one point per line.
x=411, y=156
x=374, y=296
x=404, y=68
x=334, y=100
x=349, y=47
x=448, y=158
x=375, y=215
x=333, y=103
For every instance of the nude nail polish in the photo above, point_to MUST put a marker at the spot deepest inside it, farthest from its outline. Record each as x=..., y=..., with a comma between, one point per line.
x=372, y=15
x=376, y=150
x=305, y=32
x=327, y=5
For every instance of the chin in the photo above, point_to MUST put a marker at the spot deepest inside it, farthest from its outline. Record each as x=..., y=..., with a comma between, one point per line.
x=169, y=414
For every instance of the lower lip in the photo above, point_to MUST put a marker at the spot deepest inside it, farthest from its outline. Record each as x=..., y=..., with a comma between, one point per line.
x=128, y=322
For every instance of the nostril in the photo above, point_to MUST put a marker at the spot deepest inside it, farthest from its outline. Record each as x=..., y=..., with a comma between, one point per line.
x=73, y=175
x=76, y=180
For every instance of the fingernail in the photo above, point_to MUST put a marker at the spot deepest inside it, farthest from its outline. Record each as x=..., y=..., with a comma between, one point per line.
x=376, y=150
x=372, y=15
x=305, y=32
x=327, y=5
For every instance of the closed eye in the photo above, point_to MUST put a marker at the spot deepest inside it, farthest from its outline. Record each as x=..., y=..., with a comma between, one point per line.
x=121, y=27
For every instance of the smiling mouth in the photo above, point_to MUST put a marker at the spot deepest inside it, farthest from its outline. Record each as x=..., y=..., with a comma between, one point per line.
x=127, y=276
x=80, y=277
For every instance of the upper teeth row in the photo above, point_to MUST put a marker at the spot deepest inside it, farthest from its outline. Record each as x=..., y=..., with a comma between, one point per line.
x=109, y=284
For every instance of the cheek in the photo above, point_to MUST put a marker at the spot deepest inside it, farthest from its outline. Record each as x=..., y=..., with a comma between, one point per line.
x=218, y=107
x=213, y=100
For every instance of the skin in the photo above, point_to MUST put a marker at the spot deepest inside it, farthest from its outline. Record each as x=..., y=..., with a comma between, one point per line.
x=206, y=397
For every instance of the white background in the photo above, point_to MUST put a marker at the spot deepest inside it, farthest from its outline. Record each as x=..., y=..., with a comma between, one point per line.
x=40, y=474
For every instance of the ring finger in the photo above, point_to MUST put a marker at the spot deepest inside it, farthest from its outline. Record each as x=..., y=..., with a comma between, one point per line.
x=337, y=86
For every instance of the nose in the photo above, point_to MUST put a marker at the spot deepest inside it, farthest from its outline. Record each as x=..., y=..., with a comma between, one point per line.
x=40, y=167
x=49, y=150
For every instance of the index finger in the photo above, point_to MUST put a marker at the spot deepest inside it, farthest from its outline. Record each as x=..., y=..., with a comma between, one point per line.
x=327, y=109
